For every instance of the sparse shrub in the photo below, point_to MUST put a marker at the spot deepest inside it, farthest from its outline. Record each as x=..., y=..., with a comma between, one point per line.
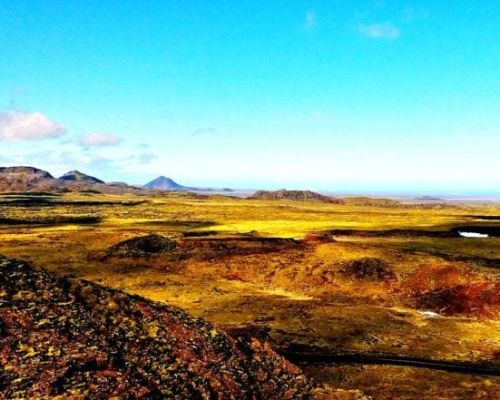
x=367, y=268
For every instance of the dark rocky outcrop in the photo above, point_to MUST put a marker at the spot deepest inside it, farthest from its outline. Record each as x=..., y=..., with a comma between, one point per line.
x=300, y=195
x=210, y=248
x=477, y=299
x=218, y=248
x=142, y=246
x=367, y=268
x=64, y=338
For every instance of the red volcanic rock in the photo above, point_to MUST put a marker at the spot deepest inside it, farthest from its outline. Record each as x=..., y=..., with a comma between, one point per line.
x=480, y=299
x=75, y=339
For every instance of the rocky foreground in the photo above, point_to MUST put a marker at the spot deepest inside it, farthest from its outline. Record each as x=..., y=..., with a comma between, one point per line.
x=69, y=339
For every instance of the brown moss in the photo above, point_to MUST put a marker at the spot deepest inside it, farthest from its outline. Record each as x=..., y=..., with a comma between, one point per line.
x=367, y=268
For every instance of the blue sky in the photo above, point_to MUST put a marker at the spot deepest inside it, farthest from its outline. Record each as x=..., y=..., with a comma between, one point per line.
x=328, y=94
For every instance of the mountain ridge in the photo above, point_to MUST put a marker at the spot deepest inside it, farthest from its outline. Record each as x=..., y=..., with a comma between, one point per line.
x=29, y=179
x=302, y=195
x=77, y=176
x=165, y=183
x=168, y=184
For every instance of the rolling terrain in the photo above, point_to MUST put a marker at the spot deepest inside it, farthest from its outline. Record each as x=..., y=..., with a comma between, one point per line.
x=376, y=296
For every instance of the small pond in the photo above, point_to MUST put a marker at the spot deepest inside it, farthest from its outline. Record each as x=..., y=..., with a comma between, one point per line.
x=473, y=234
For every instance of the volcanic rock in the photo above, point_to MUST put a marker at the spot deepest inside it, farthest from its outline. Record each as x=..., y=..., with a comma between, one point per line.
x=478, y=299
x=69, y=339
x=367, y=268
x=299, y=195
x=142, y=246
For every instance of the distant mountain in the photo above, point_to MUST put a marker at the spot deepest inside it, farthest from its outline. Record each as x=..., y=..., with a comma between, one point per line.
x=77, y=176
x=23, y=178
x=371, y=201
x=301, y=195
x=428, y=198
x=164, y=183
x=118, y=184
x=25, y=172
x=30, y=179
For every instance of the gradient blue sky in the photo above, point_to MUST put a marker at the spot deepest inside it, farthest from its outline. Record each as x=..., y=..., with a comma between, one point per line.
x=328, y=95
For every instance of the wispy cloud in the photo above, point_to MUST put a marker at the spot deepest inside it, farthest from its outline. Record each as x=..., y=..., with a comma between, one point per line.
x=64, y=160
x=203, y=131
x=309, y=21
x=16, y=93
x=414, y=13
x=385, y=30
x=99, y=139
x=17, y=126
x=319, y=116
x=146, y=158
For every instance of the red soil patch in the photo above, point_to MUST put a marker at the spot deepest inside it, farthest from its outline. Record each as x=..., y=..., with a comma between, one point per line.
x=437, y=276
x=481, y=299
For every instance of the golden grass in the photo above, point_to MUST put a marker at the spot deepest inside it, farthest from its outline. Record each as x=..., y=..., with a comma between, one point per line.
x=298, y=293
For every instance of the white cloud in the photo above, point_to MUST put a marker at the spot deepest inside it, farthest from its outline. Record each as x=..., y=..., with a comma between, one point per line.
x=309, y=21
x=100, y=139
x=16, y=126
x=385, y=30
x=414, y=13
x=61, y=160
